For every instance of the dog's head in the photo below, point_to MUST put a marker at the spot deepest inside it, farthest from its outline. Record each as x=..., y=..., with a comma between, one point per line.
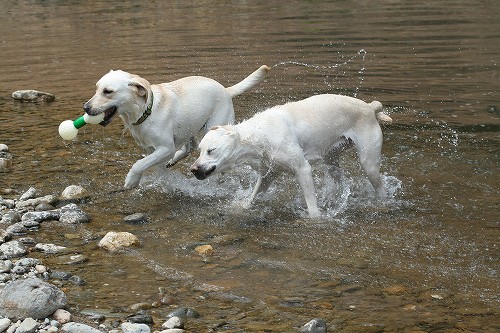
x=218, y=151
x=121, y=93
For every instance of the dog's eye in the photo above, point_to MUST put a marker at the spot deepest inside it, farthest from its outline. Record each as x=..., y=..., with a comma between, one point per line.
x=209, y=151
x=107, y=91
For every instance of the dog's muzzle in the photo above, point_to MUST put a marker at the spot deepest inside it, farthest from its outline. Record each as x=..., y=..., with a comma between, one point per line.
x=108, y=114
x=200, y=173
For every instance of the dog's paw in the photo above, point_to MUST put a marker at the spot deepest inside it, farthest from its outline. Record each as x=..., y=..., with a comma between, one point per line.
x=131, y=182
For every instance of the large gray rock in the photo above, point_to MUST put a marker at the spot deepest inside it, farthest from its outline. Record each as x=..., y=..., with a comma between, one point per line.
x=30, y=298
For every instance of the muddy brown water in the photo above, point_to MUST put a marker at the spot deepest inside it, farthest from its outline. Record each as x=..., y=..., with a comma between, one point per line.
x=426, y=260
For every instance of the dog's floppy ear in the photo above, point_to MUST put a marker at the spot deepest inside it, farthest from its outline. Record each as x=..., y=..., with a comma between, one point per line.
x=141, y=86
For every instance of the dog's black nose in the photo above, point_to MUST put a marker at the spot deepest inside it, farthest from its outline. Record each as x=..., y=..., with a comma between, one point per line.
x=198, y=173
x=86, y=108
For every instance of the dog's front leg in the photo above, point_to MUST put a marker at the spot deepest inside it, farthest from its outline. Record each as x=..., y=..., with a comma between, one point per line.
x=160, y=155
x=263, y=183
x=305, y=179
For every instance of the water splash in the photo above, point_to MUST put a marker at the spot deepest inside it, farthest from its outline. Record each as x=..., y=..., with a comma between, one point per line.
x=361, y=53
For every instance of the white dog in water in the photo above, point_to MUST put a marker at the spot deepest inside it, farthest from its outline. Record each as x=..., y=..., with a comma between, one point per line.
x=164, y=118
x=290, y=135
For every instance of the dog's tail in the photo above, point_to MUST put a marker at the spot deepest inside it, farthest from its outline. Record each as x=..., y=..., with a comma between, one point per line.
x=249, y=82
x=381, y=116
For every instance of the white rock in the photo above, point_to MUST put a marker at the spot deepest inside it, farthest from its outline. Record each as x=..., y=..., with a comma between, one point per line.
x=113, y=241
x=173, y=322
x=4, y=323
x=29, y=194
x=73, y=327
x=50, y=248
x=135, y=328
x=40, y=269
x=29, y=325
x=62, y=316
x=74, y=192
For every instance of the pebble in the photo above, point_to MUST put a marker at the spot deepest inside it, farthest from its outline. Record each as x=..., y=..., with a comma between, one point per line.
x=61, y=316
x=204, y=249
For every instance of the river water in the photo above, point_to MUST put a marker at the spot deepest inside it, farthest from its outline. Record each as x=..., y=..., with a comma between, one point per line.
x=425, y=260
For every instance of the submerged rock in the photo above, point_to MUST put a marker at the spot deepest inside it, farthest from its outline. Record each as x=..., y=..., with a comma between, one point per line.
x=317, y=325
x=30, y=95
x=113, y=241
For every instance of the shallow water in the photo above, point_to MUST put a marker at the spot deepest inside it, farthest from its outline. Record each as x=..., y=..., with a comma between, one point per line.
x=426, y=259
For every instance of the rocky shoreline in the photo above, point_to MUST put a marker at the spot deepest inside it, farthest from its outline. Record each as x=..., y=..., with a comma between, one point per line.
x=31, y=300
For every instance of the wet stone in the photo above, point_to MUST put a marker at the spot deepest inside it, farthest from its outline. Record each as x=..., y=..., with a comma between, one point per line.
x=31, y=298
x=59, y=275
x=30, y=224
x=49, y=248
x=74, y=216
x=10, y=217
x=29, y=194
x=44, y=207
x=30, y=95
x=183, y=312
x=137, y=218
x=17, y=229
x=5, y=266
x=19, y=270
x=72, y=259
x=173, y=322
x=4, y=324
x=73, y=327
x=28, y=325
x=141, y=317
x=4, y=236
x=28, y=262
x=317, y=325
x=135, y=328
x=77, y=280
x=12, y=249
x=40, y=216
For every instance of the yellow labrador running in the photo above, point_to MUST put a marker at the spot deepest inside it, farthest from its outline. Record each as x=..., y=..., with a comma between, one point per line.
x=164, y=118
x=290, y=135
